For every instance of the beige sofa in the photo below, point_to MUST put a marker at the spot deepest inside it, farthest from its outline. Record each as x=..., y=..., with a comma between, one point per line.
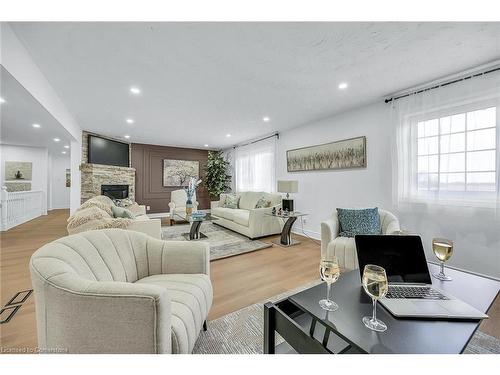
x=96, y=213
x=246, y=219
x=344, y=248
x=118, y=291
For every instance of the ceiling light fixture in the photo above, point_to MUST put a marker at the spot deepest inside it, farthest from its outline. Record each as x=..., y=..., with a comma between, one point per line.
x=2, y=100
x=56, y=140
x=129, y=121
x=64, y=152
x=126, y=136
x=228, y=135
x=342, y=85
x=37, y=126
x=206, y=145
x=66, y=146
x=266, y=119
x=135, y=90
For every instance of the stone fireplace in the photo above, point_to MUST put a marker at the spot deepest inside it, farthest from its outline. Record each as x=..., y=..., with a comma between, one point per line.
x=94, y=176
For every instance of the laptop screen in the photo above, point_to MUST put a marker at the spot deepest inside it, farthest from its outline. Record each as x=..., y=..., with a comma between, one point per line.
x=402, y=257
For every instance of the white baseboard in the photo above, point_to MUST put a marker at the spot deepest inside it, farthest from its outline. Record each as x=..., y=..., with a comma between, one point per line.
x=307, y=232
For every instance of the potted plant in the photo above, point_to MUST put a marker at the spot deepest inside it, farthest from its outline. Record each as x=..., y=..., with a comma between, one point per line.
x=217, y=178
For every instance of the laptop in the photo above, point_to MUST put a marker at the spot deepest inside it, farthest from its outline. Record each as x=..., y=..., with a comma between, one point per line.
x=410, y=293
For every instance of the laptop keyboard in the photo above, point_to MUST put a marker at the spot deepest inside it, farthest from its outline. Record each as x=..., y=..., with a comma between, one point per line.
x=414, y=292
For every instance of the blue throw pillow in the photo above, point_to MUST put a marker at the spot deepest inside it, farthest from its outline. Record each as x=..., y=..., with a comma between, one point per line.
x=353, y=222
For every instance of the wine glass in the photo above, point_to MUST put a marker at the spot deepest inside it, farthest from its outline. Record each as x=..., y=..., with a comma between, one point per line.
x=375, y=285
x=443, y=249
x=329, y=271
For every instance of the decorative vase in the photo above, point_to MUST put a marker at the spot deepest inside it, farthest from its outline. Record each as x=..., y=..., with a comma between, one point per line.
x=189, y=207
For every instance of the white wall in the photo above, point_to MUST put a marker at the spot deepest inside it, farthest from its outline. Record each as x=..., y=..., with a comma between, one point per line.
x=17, y=60
x=37, y=156
x=476, y=232
x=59, y=196
x=320, y=192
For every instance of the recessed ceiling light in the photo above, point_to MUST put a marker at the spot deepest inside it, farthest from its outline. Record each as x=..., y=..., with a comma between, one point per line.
x=64, y=152
x=228, y=135
x=56, y=139
x=206, y=145
x=66, y=146
x=126, y=136
x=129, y=121
x=342, y=85
x=135, y=90
x=266, y=119
x=2, y=100
x=36, y=126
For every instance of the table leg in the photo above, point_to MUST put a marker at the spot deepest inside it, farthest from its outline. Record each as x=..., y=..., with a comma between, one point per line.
x=286, y=238
x=269, y=327
x=194, y=232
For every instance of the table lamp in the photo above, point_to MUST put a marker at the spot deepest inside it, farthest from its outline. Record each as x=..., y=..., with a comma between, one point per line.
x=288, y=186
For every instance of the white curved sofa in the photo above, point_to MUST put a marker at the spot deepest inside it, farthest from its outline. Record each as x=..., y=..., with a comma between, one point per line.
x=118, y=291
x=246, y=219
x=344, y=248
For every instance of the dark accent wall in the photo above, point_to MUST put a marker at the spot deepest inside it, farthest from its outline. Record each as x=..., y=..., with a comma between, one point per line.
x=148, y=163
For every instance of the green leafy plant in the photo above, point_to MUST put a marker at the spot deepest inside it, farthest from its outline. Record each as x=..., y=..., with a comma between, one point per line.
x=217, y=179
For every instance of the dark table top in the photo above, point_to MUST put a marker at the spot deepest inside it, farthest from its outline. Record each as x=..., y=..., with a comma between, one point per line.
x=402, y=335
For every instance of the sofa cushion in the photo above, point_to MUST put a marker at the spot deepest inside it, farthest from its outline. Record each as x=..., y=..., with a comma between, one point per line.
x=360, y=221
x=249, y=199
x=241, y=217
x=226, y=213
x=191, y=299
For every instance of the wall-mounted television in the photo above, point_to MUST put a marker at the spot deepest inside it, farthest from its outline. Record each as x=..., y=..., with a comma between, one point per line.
x=108, y=152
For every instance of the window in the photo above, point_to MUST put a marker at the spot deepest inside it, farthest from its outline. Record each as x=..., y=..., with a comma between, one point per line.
x=254, y=166
x=456, y=153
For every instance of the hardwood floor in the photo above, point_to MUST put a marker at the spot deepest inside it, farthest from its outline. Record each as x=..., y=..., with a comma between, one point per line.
x=238, y=281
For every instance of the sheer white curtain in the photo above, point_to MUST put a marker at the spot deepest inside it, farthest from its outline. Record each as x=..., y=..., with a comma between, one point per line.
x=255, y=166
x=446, y=147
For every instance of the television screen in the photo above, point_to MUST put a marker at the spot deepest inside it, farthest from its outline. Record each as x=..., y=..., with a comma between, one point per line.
x=108, y=152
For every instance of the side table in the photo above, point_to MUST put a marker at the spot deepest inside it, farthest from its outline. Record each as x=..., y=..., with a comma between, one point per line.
x=286, y=235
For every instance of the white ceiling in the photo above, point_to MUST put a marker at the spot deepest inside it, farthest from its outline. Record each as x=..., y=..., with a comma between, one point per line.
x=200, y=81
x=18, y=114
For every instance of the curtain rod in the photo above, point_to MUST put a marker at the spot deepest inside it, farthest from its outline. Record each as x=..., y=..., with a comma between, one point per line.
x=442, y=84
x=258, y=140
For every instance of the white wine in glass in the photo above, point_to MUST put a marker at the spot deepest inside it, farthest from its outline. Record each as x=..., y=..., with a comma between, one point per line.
x=376, y=286
x=443, y=250
x=329, y=271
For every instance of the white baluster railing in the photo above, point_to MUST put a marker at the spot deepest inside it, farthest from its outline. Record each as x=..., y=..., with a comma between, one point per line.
x=20, y=206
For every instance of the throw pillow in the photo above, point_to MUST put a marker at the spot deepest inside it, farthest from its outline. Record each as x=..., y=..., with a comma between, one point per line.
x=103, y=204
x=353, y=222
x=123, y=202
x=85, y=215
x=122, y=212
x=231, y=201
x=263, y=203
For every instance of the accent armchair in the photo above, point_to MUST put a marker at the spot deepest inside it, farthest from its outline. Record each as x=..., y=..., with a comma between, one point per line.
x=344, y=248
x=177, y=203
x=118, y=291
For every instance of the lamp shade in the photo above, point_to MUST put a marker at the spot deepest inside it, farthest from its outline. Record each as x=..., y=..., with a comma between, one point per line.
x=288, y=186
